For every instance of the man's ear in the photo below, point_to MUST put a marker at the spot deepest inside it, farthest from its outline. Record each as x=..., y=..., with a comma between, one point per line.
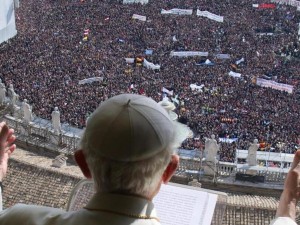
x=80, y=159
x=171, y=168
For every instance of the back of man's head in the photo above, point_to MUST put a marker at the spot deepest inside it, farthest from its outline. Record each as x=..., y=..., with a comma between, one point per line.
x=128, y=143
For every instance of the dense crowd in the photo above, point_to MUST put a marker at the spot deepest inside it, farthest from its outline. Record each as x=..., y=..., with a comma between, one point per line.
x=48, y=58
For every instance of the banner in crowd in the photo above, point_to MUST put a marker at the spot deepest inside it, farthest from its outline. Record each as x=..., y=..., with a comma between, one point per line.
x=223, y=56
x=129, y=60
x=188, y=53
x=288, y=2
x=265, y=34
x=135, y=1
x=234, y=74
x=210, y=15
x=177, y=11
x=139, y=17
x=150, y=65
x=228, y=140
x=265, y=6
x=272, y=84
x=7, y=20
x=90, y=80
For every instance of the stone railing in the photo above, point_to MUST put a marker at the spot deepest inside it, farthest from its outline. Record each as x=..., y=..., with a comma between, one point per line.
x=41, y=133
x=230, y=169
x=270, y=176
x=226, y=168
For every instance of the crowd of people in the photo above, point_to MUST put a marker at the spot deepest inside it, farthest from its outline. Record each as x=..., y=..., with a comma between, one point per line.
x=291, y=50
x=50, y=55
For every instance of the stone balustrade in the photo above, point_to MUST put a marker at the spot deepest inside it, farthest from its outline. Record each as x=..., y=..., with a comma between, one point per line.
x=226, y=169
x=42, y=134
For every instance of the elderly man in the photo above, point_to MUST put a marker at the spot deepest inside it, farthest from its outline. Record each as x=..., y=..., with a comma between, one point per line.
x=127, y=149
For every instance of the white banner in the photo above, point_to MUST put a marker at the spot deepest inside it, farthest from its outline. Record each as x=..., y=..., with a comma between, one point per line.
x=234, y=74
x=90, y=80
x=150, y=65
x=177, y=11
x=188, y=53
x=135, y=1
x=210, y=15
x=195, y=87
x=265, y=34
x=272, y=84
x=129, y=60
x=223, y=56
x=288, y=2
x=139, y=17
x=228, y=140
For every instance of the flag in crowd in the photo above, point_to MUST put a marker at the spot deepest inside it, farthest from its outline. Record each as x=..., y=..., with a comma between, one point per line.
x=206, y=62
x=233, y=67
x=148, y=51
x=240, y=61
x=131, y=86
x=121, y=40
x=86, y=34
x=167, y=91
x=175, y=99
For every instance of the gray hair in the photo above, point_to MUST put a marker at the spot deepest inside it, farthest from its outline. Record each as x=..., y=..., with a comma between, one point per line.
x=138, y=177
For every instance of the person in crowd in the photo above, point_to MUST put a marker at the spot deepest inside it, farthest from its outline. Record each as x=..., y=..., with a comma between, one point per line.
x=127, y=149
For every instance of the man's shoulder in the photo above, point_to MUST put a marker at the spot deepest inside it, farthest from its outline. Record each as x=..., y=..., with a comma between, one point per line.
x=30, y=213
x=36, y=208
